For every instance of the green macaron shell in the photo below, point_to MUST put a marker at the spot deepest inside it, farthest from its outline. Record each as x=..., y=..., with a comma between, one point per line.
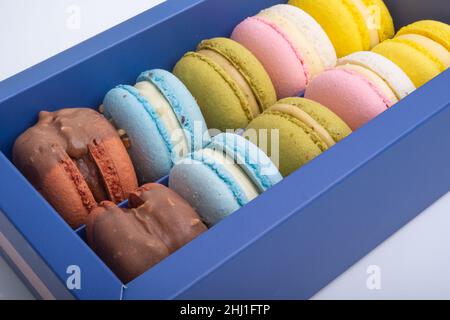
x=249, y=67
x=335, y=126
x=298, y=142
x=296, y=147
x=222, y=103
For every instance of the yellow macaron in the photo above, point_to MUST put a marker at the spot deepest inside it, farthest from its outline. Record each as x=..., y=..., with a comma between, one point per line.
x=352, y=25
x=435, y=30
x=421, y=49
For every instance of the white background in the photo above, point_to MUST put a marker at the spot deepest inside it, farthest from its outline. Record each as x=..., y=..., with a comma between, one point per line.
x=414, y=263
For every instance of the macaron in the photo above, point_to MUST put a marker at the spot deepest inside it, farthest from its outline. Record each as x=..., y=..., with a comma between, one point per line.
x=75, y=159
x=361, y=86
x=223, y=177
x=297, y=130
x=131, y=240
x=290, y=44
x=421, y=49
x=160, y=120
x=352, y=25
x=229, y=83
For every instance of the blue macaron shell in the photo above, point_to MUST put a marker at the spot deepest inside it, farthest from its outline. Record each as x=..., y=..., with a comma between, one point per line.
x=183, y=104
x=152, y=150
x=223, y=174
x=207, y=187
x=257, y=165
x=210, y=188
x=150, y=144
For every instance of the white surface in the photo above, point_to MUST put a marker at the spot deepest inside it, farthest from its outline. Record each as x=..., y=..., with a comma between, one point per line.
x=31, y=31
x=414, y=263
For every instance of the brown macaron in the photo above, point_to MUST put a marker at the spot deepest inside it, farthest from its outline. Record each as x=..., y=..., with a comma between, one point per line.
x=75, y=159
x=130, y=241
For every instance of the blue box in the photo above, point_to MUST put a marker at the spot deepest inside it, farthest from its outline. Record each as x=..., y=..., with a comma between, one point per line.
x=288, y=243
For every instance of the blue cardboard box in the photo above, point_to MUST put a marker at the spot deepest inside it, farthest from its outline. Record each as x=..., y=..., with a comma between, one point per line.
x=289, y=242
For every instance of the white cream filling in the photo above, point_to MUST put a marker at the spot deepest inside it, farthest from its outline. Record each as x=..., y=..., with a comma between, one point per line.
x=248, y=187
x=372, y=18
x=167, y=116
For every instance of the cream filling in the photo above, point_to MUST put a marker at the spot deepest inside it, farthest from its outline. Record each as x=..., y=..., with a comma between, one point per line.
x=248, y=187
x=236, y=76
x=306, y=119
x=438, y=50
x=374, y=78
x=300, y=42
x=166, y=115
x=372, y=19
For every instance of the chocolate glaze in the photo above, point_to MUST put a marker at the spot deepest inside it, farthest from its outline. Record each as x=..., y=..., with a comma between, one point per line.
x=75, y=158
x=130, y=241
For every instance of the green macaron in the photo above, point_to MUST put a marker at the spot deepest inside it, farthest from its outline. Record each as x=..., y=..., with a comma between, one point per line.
x=296, y=131
x=230, y=85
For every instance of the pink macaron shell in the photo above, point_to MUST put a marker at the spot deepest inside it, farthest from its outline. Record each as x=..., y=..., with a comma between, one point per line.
x=276, y=53
x=348, y=94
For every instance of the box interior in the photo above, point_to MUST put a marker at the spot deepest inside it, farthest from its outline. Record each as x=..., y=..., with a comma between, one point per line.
x=81, y=76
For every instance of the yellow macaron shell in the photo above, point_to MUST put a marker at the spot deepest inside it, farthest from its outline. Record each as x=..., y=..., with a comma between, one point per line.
x=345, y=28
x=371, y=19
x=433, y=47
x=381, y=18
x=434, y=30
x=352, y=25
x=313, y=63
x=416, y=60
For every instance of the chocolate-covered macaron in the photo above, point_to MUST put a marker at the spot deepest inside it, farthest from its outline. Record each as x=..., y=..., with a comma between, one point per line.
x=130, y=241
x=75, y=159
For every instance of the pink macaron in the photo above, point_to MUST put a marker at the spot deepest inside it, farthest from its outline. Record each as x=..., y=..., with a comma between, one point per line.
x=280, y=58
x=290, y=44
x=360, y=87
x=352, y=97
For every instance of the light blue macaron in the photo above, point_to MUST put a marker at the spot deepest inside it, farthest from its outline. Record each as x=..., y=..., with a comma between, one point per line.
x=151, y=148
x=211, y=188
